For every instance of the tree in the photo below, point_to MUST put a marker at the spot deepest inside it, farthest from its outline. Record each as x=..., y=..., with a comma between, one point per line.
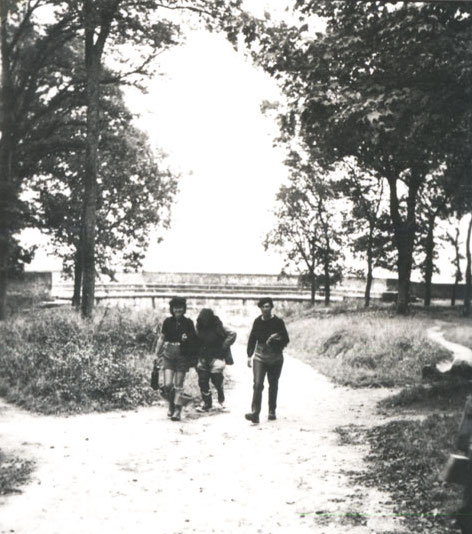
x=453, y=239
x=434, y=203
x=134, y=195
x=119, y=24
x=25, y=53
x=307, y=228
x=468, y=270
x=366, y=224
x=387, y=85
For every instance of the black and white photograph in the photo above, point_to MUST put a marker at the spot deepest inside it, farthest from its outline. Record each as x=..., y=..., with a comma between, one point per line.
x=235, y=266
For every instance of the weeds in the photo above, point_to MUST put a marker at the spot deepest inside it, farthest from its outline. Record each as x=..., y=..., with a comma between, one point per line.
x=14, y=472
x=54, y=361
x=367, y=349
x=405, y=460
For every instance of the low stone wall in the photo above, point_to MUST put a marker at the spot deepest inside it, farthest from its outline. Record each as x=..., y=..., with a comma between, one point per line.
x=222, y=279
x=45, y=282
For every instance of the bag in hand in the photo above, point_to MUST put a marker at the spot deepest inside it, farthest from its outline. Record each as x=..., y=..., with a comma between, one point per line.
x=228, y=357
x=155, y=375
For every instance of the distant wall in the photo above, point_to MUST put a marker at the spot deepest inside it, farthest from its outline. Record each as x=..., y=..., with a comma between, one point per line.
x=438, y=291
x=42, y=283
x=220, y=279
x=31, y=282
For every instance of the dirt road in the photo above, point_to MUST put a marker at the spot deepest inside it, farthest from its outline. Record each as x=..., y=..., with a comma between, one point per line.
x=126, y=472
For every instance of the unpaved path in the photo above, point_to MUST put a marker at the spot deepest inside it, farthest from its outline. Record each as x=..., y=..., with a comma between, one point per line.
x=459, y=352
x=126, y=472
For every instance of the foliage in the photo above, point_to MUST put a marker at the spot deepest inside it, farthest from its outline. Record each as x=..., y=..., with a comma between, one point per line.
x=368, y=349
x=446, y=394
x=308, y=224
x=14, y=473
x=134, y=191
x=383, y=84
x=405, y=460
x=55, y=362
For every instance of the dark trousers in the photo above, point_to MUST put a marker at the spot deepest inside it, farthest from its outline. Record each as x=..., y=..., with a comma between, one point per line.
x=204, y=378
x=273, y=370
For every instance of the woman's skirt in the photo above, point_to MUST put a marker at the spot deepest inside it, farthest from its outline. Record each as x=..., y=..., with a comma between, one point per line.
x=173, y=359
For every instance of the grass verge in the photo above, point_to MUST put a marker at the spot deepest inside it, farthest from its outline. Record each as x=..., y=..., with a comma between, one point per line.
x=14, y=473
x=53, y=361
x=376, y=348
x=366, y=349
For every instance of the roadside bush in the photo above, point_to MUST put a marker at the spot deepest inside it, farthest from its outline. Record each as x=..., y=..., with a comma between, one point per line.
x=53, y=361
x=366, y=349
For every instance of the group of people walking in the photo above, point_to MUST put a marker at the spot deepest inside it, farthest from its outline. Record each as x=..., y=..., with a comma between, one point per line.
x=208, y=348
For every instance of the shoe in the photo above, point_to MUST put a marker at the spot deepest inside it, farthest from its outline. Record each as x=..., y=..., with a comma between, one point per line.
x=253, y=417
x=176, y=416
x=203, y=408
x=272, y=416
x=222, y=407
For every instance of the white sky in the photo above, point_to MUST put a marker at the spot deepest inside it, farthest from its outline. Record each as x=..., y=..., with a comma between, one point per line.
x=205, y=113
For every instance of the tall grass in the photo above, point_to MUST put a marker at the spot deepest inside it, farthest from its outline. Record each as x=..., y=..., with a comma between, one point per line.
x=460, y=332
x=53, y=361
x=366, y=348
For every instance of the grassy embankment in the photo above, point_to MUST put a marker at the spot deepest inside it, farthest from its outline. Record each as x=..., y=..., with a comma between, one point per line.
x=375, y=349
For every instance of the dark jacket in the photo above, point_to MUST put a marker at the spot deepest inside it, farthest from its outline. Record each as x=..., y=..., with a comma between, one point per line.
x=262, y=330
x=214, y=340
x=173, y=330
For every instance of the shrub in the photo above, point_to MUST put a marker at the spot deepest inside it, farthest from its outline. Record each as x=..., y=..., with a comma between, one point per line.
x=54, y=361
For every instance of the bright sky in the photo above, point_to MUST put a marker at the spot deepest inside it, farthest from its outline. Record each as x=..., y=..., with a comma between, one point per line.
x=204, y=112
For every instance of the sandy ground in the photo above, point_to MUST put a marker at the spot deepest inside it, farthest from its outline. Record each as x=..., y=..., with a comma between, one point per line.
x=123, y=472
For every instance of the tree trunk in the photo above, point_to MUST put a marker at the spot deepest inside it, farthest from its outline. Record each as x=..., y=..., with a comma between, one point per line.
x=327, y=299
x=370, y=277
x=313, y=288
x=428, y=271
x=3, y=278
x=7, y=189
x=77, y=278
x=454, y=292
x=468, y=272
x=404, y=233
x=93, y=72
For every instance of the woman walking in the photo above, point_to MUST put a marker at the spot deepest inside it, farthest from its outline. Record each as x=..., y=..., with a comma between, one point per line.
x=214, y=341
x=177, y=343
x=266, y=342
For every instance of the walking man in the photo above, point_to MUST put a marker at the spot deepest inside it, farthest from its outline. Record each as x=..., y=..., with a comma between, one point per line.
x=265, y=346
